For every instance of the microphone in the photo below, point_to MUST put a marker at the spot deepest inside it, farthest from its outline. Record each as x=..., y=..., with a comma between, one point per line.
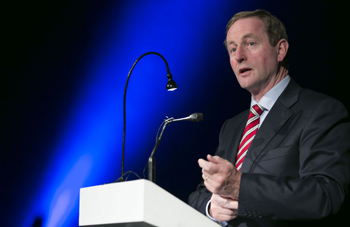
x=151, y=162
x=195, y=117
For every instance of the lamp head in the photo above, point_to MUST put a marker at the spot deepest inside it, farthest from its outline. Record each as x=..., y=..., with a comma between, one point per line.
x=171, y=85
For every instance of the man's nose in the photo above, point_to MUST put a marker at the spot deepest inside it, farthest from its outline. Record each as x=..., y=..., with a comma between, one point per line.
x=240, y=54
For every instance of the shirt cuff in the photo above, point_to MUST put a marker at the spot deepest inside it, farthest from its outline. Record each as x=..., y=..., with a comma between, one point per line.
x=223, y=223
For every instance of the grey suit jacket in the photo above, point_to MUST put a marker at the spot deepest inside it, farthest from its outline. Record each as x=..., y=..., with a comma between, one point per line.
x=297, y=168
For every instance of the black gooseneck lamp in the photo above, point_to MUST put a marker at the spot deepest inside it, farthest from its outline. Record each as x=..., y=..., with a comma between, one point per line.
x=170, y=86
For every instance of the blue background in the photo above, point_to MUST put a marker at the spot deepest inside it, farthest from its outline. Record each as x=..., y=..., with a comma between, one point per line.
x=63, y=73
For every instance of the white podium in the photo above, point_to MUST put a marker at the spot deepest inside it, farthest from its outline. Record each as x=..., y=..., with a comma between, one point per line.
x=136, y=204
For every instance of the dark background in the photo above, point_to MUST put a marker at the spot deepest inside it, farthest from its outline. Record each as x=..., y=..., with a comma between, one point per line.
x=40, y=72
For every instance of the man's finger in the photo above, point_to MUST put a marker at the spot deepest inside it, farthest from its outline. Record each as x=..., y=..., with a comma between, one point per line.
x=205, y=177
x=207, y=166
x=216, y=159
x=222, y=213
x=202, y=163
x=225, y=202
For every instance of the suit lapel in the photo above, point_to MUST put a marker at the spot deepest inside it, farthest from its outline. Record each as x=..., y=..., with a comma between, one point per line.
x=277, y=117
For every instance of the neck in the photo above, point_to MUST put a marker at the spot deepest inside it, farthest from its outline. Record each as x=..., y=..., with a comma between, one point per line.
x=268, y=85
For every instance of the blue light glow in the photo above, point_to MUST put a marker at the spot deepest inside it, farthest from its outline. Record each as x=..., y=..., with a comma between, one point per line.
x=88, y=151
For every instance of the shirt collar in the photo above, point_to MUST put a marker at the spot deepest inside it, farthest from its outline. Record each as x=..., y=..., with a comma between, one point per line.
x=269, y=99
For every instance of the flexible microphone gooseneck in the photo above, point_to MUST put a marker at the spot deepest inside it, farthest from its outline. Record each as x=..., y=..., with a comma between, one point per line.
x=196, y=117
x=170, y=86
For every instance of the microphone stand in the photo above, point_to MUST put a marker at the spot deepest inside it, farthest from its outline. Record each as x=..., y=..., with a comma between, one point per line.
x=170, y=86
x=196, y=117
x=151, y=160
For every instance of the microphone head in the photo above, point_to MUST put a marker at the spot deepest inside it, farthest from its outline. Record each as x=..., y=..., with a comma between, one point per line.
x=196, y=117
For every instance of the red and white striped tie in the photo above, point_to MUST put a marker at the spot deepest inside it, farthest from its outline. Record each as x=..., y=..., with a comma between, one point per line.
x=249, y=133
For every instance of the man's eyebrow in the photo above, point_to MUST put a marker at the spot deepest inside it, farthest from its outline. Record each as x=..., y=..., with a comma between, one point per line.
x=231, y=43
x=248, y=35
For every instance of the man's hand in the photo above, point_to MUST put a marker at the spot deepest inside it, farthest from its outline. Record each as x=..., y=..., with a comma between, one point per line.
x=223, y=209
x=220, y=177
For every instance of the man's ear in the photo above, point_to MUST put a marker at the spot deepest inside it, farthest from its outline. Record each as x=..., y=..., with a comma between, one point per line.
x=283, y=46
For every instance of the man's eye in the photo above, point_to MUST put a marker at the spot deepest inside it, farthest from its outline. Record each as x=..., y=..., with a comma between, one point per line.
x=251, y=44
x=233, y=49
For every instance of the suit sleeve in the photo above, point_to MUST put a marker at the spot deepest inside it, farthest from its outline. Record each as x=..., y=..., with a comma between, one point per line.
x=319, y=191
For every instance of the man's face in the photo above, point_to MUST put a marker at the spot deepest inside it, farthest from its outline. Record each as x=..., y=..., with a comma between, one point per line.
x=252, y=58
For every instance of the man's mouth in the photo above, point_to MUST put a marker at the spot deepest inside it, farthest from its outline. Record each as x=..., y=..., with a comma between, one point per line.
x=244, y=70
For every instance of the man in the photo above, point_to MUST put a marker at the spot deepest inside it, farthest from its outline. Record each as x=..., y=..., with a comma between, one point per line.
x=287, y=161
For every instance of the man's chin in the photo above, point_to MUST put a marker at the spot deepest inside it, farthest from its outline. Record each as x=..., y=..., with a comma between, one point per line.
x=245, y=84
x=252, y=88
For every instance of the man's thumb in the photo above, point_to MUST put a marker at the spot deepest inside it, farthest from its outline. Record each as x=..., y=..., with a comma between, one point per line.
x=215, y=159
